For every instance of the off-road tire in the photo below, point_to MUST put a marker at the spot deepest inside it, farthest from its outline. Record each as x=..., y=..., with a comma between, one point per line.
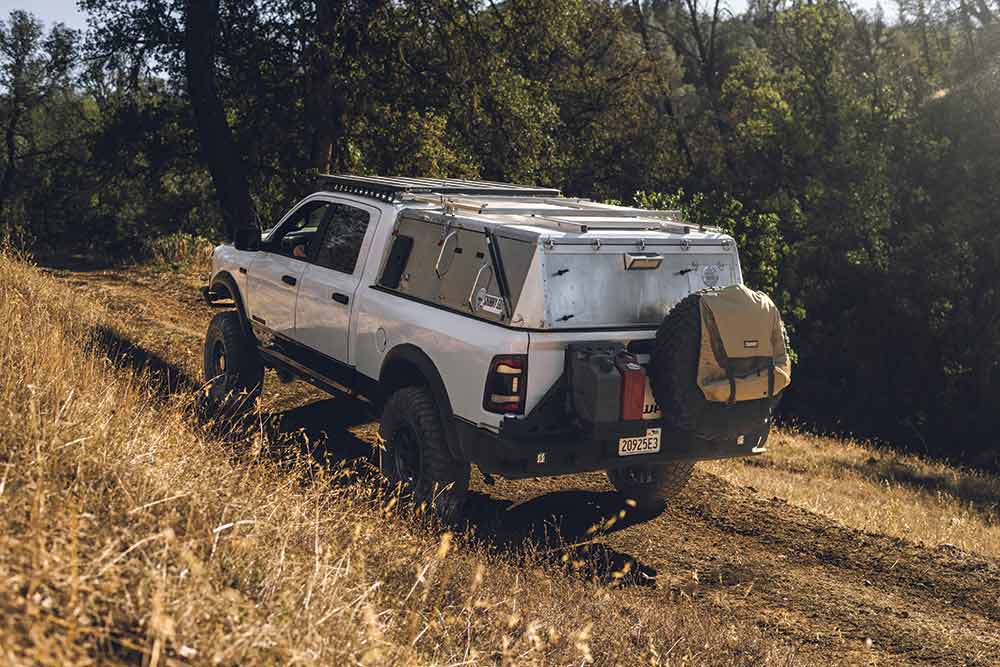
x=415, y=454
x=674, y=379
x=651, y=485
x=233, y=381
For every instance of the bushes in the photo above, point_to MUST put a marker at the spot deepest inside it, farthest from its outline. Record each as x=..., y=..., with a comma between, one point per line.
x=180, y=250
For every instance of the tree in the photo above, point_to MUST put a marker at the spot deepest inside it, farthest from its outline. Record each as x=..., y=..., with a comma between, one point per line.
x=853, y=159
x=33, y=69
x=345, y=33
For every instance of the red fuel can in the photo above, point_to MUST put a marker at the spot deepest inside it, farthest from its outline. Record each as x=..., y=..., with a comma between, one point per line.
x=633, y=386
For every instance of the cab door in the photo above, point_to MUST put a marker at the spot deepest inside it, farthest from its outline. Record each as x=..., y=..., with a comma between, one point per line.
x=328, y=286
x=274, y=274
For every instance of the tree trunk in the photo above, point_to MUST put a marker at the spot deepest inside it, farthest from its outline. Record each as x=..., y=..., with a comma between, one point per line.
x=321, y=81
x=228, y=171
x=341, y=37
x=663, y=104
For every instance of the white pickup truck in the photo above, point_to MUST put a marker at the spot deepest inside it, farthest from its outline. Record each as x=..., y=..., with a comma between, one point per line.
x=504, y=326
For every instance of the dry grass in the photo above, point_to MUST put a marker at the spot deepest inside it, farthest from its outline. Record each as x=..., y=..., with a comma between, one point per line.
x=876, y=489
x=128, y=535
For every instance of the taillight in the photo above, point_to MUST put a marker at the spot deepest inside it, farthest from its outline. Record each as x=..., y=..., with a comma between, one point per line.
x=506, y=384
x=633, y=386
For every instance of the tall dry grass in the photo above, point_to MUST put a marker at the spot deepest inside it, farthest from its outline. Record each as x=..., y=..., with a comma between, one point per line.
x=130, y=536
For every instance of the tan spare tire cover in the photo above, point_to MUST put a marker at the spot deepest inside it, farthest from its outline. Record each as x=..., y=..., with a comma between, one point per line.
x=743, y=355
x=719, y=364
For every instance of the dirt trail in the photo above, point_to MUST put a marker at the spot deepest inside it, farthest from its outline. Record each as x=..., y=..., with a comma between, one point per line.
x=842, y=596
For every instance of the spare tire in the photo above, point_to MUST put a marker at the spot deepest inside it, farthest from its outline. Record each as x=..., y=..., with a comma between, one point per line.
x=674, y=379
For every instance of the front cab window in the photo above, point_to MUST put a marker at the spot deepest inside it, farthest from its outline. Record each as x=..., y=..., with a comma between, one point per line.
x=297, y=237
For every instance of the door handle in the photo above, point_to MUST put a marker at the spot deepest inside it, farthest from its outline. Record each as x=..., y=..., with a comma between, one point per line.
x=341, y=298
x=289, y=280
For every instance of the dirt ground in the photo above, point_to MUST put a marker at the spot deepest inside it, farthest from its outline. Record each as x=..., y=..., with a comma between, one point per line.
x=841, y=596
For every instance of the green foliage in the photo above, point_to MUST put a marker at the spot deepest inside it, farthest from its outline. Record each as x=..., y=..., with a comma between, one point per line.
x=754, y=98
x=853, y=161
x=757, y=234
x=179, y=250
x=410, y=144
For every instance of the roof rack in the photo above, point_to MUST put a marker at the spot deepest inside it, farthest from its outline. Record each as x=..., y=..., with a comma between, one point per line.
x=558, y=213
x=390, y=188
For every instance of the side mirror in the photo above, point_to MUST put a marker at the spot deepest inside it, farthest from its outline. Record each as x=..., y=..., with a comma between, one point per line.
x=247, y=238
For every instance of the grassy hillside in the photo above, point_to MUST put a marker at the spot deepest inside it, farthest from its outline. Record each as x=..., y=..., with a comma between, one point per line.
x=128, y=535
x=875, y=489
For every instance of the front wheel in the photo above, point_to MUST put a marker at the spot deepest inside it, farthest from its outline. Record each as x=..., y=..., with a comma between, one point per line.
x=651, y=485
x=416, y=455
x=234, y=372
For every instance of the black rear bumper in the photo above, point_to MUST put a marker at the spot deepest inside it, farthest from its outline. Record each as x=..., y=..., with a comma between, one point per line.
x=517, y=453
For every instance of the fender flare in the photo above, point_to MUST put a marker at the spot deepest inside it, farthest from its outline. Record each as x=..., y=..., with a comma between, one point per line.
x=407, y=365
x=225, y=280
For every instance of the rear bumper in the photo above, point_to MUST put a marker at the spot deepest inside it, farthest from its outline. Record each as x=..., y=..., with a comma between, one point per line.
x=517, y=454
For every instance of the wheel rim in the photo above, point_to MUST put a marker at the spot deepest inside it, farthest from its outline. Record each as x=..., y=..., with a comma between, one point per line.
x=219, y=365
x=406, y=456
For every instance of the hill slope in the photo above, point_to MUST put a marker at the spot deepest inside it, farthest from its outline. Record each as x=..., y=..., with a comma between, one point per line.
x=126, y=530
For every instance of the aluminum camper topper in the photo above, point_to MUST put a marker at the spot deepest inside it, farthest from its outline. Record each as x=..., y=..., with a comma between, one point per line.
x=504, y=326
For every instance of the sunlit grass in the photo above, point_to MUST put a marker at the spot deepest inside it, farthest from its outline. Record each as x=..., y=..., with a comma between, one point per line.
x=875, y=489
x=131, y=535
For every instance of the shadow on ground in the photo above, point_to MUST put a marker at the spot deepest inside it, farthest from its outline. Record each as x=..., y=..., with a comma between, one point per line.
x=321, y=428
x=76, y=261
x=563, y=528
x=165, y=377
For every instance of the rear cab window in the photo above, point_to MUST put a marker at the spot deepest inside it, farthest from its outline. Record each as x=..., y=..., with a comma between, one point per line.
x=339, y=246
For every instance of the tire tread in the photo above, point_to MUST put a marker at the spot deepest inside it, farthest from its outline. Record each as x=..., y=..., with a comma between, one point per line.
x=247, y=380
x=438, y=466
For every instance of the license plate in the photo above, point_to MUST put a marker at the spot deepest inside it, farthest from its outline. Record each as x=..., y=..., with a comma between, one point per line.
x=640, y=444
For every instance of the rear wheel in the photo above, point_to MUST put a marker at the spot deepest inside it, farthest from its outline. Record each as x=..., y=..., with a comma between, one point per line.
x=651, y=485
x=416, y=454
x=234, y=372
